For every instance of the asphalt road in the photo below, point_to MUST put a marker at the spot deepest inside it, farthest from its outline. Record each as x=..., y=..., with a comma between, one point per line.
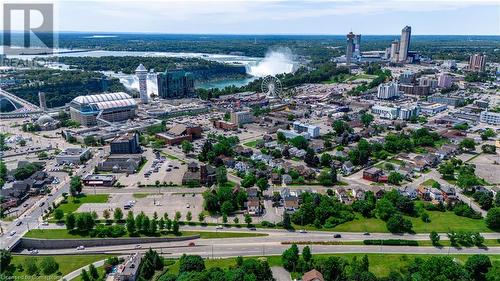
x=32, y=218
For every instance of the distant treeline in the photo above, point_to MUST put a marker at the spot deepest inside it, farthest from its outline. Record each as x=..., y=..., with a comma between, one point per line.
x=61, y=86
x=202, y=69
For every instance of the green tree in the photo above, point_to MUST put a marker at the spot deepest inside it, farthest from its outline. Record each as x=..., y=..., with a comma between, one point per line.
x=177, y=216
x=478, y=266
x=398, y=224
x=221, y=175
x=189, y=216
x=93, y=272
x=395, y=178
x=76, y=184
x=226, y=208
x=118, y=214
x=70, y=221
x=48, y=265
x=366, y=119
x=31, y=266
x=467, y=144
x=434, y=236
x=175, y=227
x=58, y=214
x=84, y=275
x=306, y=254
x=287, y=222
x=186, y=146
x=493, y=218
x=201, y=217
x=263, y=184
x=290, y=258
x=130, y=223
x=189, y=263
x=248, y=219
x=106, y=215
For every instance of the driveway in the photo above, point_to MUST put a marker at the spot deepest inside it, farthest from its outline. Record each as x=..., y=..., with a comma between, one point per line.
x=280, y=274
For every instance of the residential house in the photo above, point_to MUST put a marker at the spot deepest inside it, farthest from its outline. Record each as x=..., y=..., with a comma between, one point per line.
x=408, y=192
x=378, y=192
x=317, y=145
x=199, y=175
x=435, y=194
x=291, y=203
x=276, y=178
x=358, y=194
x=424, y=193
x=254, y=206
x=313, y=275
x=447, y=151
x=287, y=179
x=343, y=196
x=372, y=174
x=347, y=167
x=449, y=193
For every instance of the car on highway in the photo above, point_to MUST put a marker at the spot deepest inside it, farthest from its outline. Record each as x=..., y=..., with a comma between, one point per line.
x=303, y=231
x=18, y=223
x=34, y=252
x=188, y=206
x=252, y=228
x=191, y=244
x=219, y=227
x=81, y=247
x=41, y=204
x=25, y=205
x=366, y=233
x=12, y=233
x=138, y=246
x=45, y=223
x=337, y=236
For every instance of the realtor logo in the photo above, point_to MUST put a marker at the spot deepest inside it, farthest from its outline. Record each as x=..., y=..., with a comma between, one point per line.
x=28, y=28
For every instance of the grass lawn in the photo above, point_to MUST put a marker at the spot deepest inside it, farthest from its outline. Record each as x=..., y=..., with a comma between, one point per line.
x=100, y=270
x=64, y=234
x=67, y=263
x=428, y=182
x=440, y=222
x=140, y=195
x=380, y=264
x=252, y=144
x=73, y=203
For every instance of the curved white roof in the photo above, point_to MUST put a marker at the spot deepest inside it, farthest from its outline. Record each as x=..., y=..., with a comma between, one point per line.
x=114, y=104
x=94, y=99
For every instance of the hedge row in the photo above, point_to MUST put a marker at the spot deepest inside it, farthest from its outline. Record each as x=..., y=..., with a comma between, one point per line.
x=393, y=242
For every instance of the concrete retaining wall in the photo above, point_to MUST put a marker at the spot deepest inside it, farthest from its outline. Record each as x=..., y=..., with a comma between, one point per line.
x=36, y=243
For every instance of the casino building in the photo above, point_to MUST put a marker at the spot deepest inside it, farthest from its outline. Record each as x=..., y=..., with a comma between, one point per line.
x=105, y=108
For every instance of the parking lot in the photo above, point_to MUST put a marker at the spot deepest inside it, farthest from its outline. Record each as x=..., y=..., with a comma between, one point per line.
x=159, y=203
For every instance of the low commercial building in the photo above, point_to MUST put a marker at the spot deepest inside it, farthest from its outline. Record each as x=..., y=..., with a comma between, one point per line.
x=121, y=163
x=289, y=134
x=224, y=125
x=433, y=108
x=179, y=133
x=385, y=112
x=446, y=99
x=73, y=156
x=197, y=175
x=99, y=180
x=488, y=117
x=312, y=130
x=127, y=143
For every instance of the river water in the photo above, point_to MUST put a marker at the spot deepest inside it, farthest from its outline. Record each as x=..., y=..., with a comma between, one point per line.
x=274, y=63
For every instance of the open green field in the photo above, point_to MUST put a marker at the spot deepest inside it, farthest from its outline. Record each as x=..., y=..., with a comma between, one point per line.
x=64, y=234
x=67, y=263
x=440, y=222
x=73, y=203
x=380, y=264
x=252, y=144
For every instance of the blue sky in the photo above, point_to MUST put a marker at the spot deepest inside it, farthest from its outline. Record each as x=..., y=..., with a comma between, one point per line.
x=438, y=17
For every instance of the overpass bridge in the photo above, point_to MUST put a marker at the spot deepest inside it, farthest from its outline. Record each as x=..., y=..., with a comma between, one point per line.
x=22, y=108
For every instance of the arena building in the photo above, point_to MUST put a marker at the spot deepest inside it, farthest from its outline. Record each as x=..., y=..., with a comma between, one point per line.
x=106, y=108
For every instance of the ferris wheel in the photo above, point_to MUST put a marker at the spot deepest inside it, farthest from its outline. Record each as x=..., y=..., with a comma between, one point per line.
x=272, y=87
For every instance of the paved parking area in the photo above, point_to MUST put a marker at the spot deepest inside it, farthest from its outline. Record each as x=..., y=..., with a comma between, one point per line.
x=486, y=167
x=159, y=203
